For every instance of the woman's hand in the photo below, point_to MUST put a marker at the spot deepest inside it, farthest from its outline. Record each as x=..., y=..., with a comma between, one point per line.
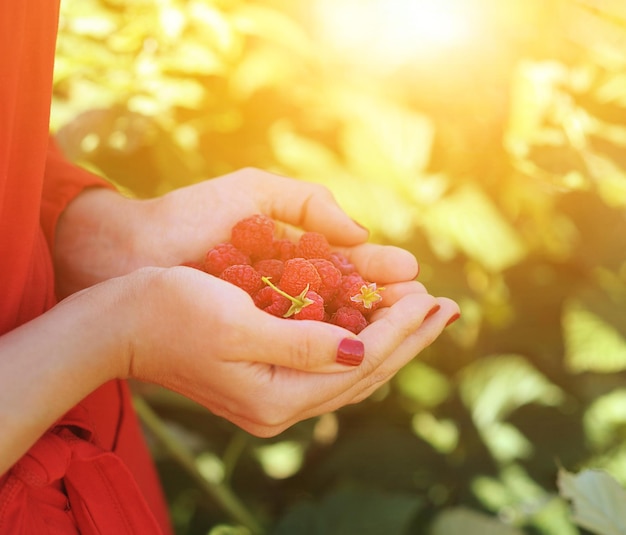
x=204, y=338
x=103, y=235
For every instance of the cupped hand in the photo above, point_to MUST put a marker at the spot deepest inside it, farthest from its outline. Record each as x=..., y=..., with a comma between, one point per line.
x=190, y=220
x=205, y=339
x=103, y=235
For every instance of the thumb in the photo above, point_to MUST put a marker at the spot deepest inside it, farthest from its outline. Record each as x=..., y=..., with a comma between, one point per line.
x=305, y=345
x=313, y=207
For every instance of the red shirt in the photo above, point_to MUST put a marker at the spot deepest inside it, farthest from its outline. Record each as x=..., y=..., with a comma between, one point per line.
x=91, y=473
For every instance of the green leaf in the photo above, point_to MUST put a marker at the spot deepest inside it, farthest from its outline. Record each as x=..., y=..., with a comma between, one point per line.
x=282, y=459
x=599, y=502
x=605, y=420
x=423, y=384
x=385, y=143
x=362, y=511
x=470, y=222
x=462, y=520
x=591, y=344
x=492, y=388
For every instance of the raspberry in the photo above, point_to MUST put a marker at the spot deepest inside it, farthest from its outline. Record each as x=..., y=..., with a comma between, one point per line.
x=331, y=278
x=349, y=286
x=244, y=276
x=270, y=301
x=253, y=235
x=283, y=250
x=349, y=318
x=313, y=245
x=314, y=310
x=297, y=274
x=368, y=298
x=272, y=268
x=342, y=263
x=303, y=280
x=358, y=293
x=223, y=255
x=298, y=303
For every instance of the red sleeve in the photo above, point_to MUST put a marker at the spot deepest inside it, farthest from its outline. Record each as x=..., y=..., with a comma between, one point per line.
x=63, y=181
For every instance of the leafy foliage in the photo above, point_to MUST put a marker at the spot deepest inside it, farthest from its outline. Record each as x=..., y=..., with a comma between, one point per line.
x=498, y=160
x=598, y=501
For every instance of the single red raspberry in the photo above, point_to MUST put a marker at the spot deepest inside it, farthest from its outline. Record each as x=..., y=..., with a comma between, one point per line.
x=244, y=276
x=283, y=250
x=223, y=255
x=253, y=235
x=270, y=301
x=349, y=318
x=313, y=245
x=299, y=273
x=331, y=278
x=350, y=285
x=356, y=292
x=314, y=310
x=342, y=263
x=272, y=268
x=305, y=299
x=368, y=298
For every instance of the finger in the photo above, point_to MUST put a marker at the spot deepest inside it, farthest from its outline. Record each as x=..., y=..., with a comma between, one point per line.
x=387, y=332
x=383, y=263
x=393, y=292
x=311, y=207
x=304, y=345
x=311, y=395
x=411, y=346
x=380, y=339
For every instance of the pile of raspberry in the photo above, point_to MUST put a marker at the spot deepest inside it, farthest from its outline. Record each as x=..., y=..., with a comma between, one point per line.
x=301, y=280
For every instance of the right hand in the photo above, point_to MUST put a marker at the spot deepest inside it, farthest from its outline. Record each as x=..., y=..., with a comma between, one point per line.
x=204, y=338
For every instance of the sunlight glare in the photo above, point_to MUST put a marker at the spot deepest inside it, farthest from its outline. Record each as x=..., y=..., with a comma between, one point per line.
x=393, y=32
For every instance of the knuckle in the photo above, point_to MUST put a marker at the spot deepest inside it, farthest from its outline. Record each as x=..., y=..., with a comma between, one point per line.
x=302, y=354
x=273, y=417
x=269, y=417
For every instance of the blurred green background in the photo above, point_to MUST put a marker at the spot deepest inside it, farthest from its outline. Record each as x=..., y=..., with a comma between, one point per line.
x=486, y=137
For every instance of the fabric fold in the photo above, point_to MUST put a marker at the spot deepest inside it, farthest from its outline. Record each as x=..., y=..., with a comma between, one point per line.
x=101, y=492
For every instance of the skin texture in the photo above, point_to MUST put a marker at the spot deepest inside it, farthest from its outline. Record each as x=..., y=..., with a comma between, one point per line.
x=132, y=312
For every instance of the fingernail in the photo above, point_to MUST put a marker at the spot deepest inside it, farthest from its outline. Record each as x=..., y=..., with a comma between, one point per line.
x=453, y=318
x=350, y=352
x=359, y=225
x=432, y=312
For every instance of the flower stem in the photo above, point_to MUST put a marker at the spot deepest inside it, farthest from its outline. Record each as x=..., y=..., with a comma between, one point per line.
x=219, y=492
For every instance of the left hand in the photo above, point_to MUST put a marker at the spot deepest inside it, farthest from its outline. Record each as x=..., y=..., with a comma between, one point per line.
x=103, y=235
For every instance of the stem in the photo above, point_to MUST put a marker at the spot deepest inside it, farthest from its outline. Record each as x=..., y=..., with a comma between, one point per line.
x=297, y=303
x=219, y=492
x=233, y=452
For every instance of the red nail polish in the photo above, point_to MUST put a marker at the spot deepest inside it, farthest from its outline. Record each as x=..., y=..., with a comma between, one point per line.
x=432, y=312
x=350, y=352
x=453, y=318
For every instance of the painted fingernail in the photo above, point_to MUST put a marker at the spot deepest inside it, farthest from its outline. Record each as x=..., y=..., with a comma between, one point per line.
x=432, y=312
x=350, y=352
x=453, y=318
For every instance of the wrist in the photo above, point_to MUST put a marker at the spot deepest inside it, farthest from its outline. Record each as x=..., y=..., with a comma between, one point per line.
x=99, y=319
x=52, y=362
x=95, y=240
